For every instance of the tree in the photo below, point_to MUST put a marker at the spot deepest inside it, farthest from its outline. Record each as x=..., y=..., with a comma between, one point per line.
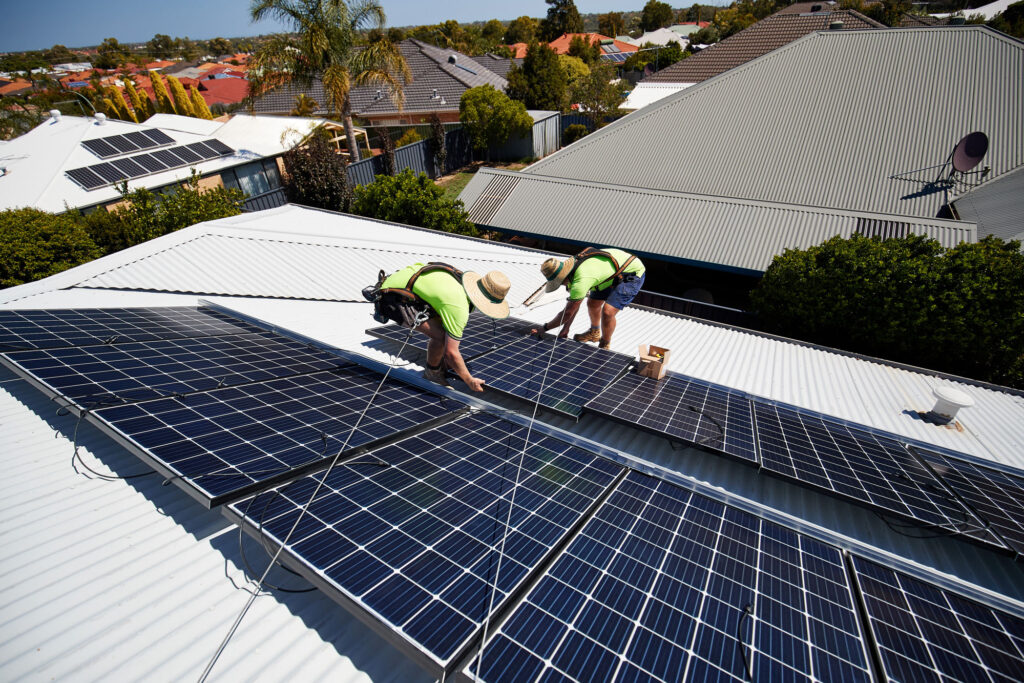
x=539, y=83
x=888, y=12
x=576, y=71
x=657, y=56
x=563, y=17
x=387, y=151
x=220, y=46
x=600, y=97
x=199, y=107
x=304, y=105
x=704, y=36
x=1010, y=21
x=58, y=53
x=110, y=54
x=182, y=104
x=656, y=15
x=315, y=175
x=115, y=106
x=492, y=32
x=438, y=144
x=323, y=47
x=160, y=46
x=522, y=30
x=611, y=24
x=414, y=200
x=587, y=50
x=960, y=310
x=140, y=102
x=163, y=100
x=35, y=244
x=491, y=117
x=732, y=20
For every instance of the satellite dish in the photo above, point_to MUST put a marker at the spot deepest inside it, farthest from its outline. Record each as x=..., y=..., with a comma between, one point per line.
x=969, y=151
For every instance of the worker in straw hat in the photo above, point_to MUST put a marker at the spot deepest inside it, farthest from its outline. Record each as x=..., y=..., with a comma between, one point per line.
x=443, y=296
x=610, y=278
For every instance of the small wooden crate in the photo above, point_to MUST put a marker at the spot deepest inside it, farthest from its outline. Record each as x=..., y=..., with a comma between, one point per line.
x=653, y=361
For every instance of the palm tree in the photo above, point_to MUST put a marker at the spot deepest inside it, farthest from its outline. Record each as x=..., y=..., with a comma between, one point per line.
x=323, y=46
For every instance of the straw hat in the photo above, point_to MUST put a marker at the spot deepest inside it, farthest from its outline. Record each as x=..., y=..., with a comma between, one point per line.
x=488, y=292
x=556, y=271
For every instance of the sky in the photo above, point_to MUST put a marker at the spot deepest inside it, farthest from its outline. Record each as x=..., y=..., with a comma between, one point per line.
x=40, y=24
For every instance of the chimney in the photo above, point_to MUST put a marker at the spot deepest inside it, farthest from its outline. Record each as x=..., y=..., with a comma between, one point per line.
x=948, y=402
x=101, y=118
x=835, y=25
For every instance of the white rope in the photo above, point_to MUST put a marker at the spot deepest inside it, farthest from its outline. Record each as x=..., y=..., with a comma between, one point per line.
x=302, y=512
x=508, y=518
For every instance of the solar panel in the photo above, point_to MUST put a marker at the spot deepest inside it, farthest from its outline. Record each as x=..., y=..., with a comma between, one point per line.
x=666, y=585
x=413, y=544
x=168, y=157
x=129, y=168
x=995, y=496
x=926, y=633
x=577, y=374
x=862, y=466
x=108, y=172
x=139, y=139
x=482, y=334
x=100, y=148
x=684, y=409
x=86, y=178
x=123, y=144
x=186, y=154
x=202, y=150
x=55, y=328
x=158, y=137
x=150, y=163
x=219, y=147
x=227, y=443
x=140, y=371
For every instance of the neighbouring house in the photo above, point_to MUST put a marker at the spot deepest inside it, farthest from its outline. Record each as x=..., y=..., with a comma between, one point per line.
x=612, y=49
x=476, y=528
x=73, y=162
x=778, y=153
x=439, y=77
x=14, y=87
x=661, y=36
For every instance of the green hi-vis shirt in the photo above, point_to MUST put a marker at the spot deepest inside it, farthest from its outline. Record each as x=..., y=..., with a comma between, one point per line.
x=591, y=273
x=441, y=291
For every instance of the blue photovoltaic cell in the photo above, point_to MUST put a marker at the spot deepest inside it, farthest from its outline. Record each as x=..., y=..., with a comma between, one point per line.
x=108, y=374
x=577, y=372
x=482, y=334
x=224, y=441
x=866, y=467
x=927, y=633
x=682, y=408
x=656, y=588
x=54, y=328
x=995, y=496
x=415, y=543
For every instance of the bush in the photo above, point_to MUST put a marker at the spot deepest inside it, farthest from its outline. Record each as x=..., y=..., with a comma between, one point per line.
x=958, y=310
x=573, y=133
x=409, y=137
x=35, y=244
x=315, y=176
x=411, y=199
x=492, y=117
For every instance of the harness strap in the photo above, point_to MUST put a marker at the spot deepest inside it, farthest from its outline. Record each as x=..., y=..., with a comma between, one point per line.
x=430, y=267
x=590, y=252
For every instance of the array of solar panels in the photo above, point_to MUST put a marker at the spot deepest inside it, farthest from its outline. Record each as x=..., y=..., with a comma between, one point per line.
x=601, y=570
x=139, y=165
x=482, y=334
x=136, y=141
x=862, y=465
x=217, y=404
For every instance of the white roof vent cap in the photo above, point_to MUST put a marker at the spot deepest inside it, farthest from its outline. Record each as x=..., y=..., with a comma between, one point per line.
x=948, y=401
x=452, y=59
x=101, y=118
x=55, y=114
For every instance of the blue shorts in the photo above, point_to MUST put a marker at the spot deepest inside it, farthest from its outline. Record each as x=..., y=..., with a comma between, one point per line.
x=621, y=295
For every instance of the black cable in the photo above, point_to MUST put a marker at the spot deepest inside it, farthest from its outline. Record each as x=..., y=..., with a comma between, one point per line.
x=721, y=429
x=245, y=560
x=748, y=671
x=76, y=457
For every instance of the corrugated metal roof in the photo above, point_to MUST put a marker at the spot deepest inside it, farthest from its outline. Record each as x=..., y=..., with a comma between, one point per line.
x=997, y=206
x=823, y=121
x=733, y=233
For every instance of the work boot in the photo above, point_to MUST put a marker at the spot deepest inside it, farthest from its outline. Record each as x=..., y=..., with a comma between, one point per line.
x=591, y=335
x=437, y=376
x=604, y=344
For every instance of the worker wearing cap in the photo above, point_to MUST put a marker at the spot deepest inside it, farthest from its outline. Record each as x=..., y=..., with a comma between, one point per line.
x=610, y=278
x=448, y=301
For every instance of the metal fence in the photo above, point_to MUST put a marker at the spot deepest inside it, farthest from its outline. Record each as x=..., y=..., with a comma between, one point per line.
x=267, y=200
x=418, y=156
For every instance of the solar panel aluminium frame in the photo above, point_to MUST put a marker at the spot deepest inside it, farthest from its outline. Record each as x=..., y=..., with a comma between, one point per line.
x=380, y=626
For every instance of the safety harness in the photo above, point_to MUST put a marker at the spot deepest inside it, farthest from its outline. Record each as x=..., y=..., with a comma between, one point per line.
x=375, y=293
x=591, y=252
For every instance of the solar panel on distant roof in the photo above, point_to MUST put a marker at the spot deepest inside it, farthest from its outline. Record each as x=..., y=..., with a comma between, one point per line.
x=140, y=371
x=414, y=543
x=682, y=408
x=927, y=633
x=55, y=328
x=577, y=373
x=862, y=466
x=666, y=585
x=482, y=334
x=225, y=443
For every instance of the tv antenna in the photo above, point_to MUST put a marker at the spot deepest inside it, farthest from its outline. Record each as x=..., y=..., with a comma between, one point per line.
x=956, y=172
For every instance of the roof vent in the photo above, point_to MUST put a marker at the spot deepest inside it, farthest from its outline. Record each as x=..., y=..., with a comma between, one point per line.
x=433, y=95
x=452, y=59
x=948, y=402
x=835, y=26
x=55, y=114
x=957, y=21
x=379, y=94
x=815, y=8
x=101, y=118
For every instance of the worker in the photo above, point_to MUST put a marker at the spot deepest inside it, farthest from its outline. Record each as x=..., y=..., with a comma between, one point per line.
x=611, y=278
x=446, y=295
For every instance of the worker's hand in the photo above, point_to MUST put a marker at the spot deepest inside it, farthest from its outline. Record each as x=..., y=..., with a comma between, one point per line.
x=475, y=384
x=563, y=334
x=530, y=329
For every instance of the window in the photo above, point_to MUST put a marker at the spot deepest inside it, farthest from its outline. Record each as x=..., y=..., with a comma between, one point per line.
x=258, y=177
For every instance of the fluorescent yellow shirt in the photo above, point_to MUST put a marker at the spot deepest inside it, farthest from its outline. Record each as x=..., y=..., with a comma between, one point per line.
x=591, y=273
x=441, y=291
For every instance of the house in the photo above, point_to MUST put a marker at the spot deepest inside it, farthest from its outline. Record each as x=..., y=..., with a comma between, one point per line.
x=128, y=578
x=439, y=77
x=14, y=87
x=73, y=162
x=778, y=153
x=612, y=49
x=661, y=36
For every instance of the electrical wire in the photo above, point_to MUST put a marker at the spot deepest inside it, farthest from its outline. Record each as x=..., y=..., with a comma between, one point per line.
x=748, y=671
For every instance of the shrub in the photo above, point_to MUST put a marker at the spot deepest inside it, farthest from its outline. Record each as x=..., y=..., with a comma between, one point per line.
x=410, y=136
x=573, y=133
x=411, y=199
x=35, y=244
x=315, y=175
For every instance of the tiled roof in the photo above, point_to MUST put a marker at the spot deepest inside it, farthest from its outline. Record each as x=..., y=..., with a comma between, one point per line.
x=224, y=90
x=497, y=65
x=448, y=72
x=766, y=35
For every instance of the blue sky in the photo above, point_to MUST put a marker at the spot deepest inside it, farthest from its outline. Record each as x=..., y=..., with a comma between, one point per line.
x=39, y=24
